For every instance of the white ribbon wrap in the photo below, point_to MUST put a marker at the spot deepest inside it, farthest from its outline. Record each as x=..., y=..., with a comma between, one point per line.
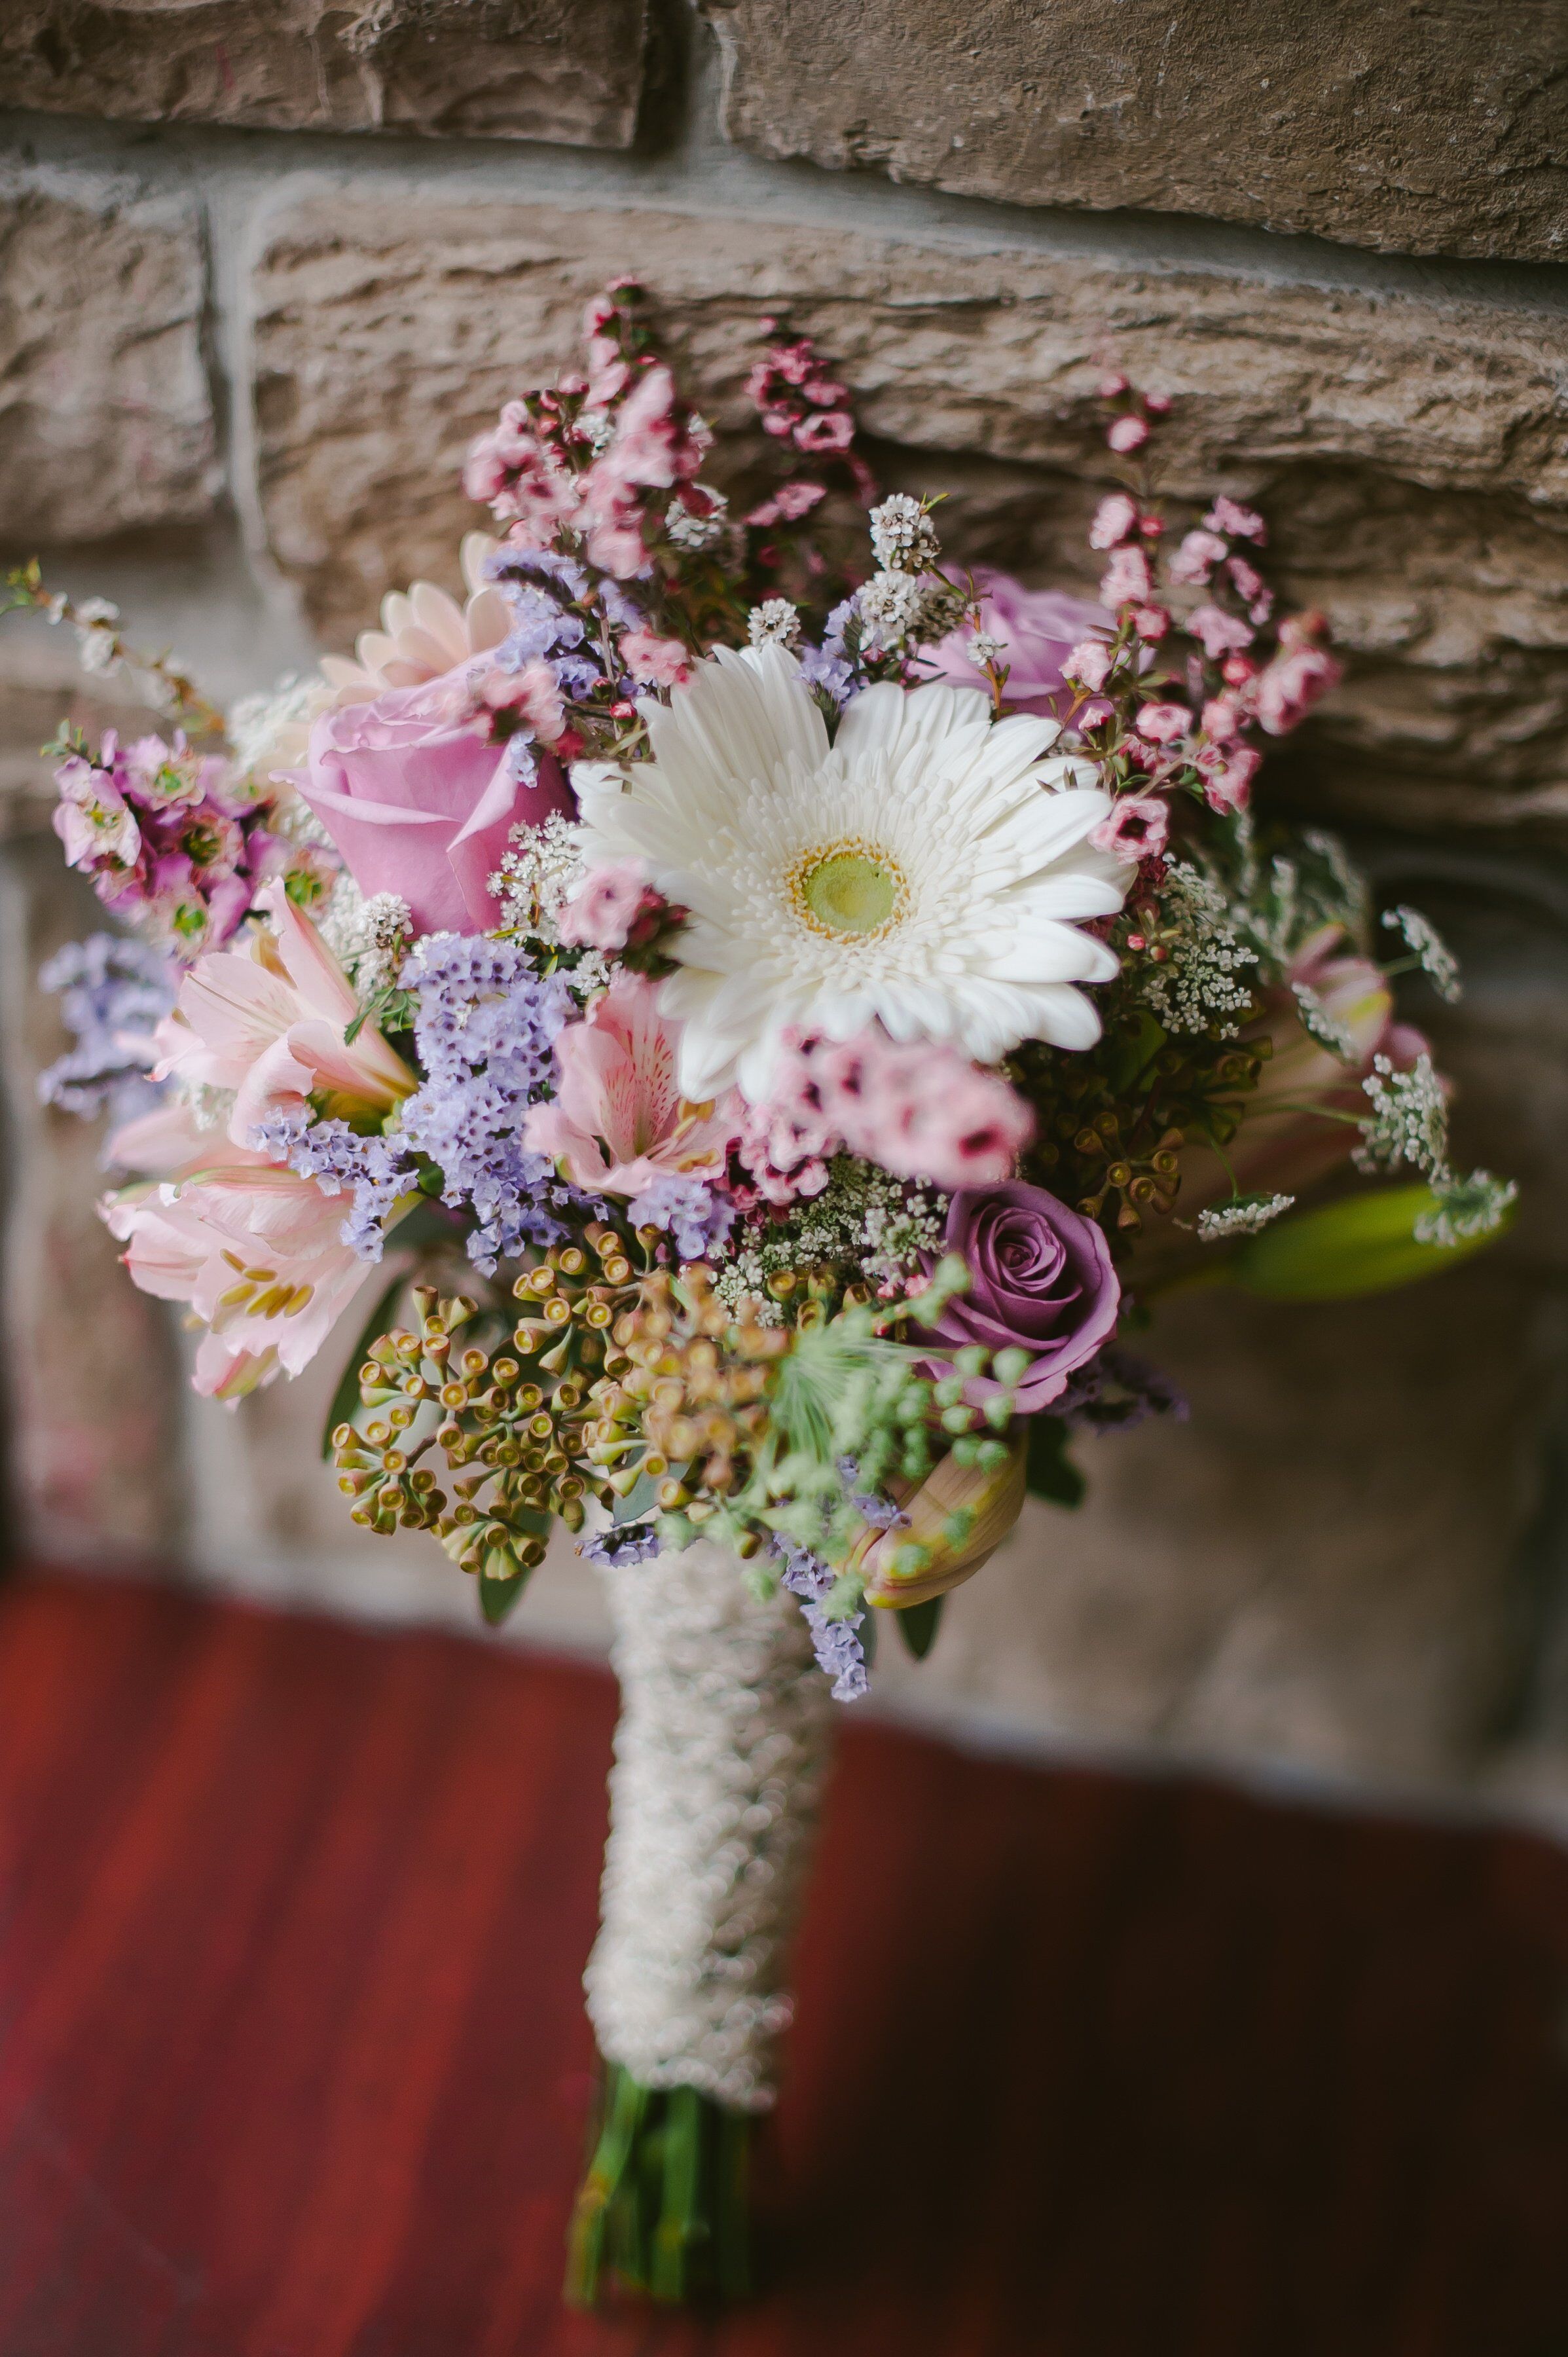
x=720, y=1756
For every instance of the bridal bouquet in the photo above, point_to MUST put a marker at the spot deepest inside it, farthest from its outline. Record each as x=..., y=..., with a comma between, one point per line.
x=739, y=1020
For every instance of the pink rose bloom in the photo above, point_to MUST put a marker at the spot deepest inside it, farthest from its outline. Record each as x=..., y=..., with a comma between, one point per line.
x=420, y=804
x=618, y=1120
x=1038, y=631
x=269, y=1022
x=1137, y=828
x=655, y=662
x=602, y=909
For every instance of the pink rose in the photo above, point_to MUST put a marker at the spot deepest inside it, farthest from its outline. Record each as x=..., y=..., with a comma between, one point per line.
x=420, y=804
x=1038, y=631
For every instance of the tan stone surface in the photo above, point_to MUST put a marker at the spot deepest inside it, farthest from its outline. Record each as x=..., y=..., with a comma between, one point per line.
x=1438, y=129
x=559, y=69
x=1411, y=449
x=91, y=1373
x=105, y=411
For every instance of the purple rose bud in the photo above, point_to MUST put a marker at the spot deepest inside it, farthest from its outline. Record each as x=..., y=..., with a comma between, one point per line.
x=1040, y=1280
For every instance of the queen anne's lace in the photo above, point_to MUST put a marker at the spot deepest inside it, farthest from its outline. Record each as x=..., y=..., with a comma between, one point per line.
x=719, y=1760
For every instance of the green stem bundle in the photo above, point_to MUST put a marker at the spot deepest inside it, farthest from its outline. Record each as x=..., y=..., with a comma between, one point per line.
x=663, y=2207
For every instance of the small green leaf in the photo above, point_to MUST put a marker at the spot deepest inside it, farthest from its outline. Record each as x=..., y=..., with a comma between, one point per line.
x=346, y=1398
x=1365, y=1244
x=918, y=1623
x=497, y=1597
x=1049, y=1471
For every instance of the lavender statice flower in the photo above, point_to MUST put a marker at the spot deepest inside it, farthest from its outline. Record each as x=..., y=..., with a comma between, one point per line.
x=484, y=1029
x=878, y=1512
x=829, y=666
x=697, y=1219
x=375, y=1172
x=839, y=1652
x=1116, y=1391
x=112, y=993
x=617, y=1549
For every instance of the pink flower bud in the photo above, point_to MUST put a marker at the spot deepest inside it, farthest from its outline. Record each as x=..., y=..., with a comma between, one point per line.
x=1127, y=579
x=1245, y=524
x=1111, y=388
x=1158, y=405
x=1196, y=557
x=1089, y=665
x=1164, y=723
x=1151, y=623
x=1127, y=435
x=1114, y=518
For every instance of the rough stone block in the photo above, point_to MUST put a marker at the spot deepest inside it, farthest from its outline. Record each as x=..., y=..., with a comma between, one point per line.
x=561, y=70
x=1426, y=130
x=105, y=409
x=1408, y=447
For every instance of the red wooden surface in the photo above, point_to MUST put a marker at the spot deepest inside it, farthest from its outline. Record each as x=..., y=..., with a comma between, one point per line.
x=292, y=2062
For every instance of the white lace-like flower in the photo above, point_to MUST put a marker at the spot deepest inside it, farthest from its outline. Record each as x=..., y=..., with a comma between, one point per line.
x=775, y=622
x=423, y=632
x=919, y=871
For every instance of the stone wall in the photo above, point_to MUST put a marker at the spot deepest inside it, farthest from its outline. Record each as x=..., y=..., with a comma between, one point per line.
x=263, y=269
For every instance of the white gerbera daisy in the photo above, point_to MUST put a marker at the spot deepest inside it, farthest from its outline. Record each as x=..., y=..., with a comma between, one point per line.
x=920, y=870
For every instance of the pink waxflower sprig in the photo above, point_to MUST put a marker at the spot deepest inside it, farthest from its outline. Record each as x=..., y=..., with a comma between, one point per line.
x=1171, y=700
x=809, y=415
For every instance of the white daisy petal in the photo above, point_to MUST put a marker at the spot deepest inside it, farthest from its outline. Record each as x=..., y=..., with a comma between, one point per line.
x=918, y=872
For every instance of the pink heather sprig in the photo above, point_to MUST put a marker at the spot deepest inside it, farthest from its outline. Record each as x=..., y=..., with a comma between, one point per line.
x=1172, y=701
x=920, y=1111
x=809, y=414
x=171, y=843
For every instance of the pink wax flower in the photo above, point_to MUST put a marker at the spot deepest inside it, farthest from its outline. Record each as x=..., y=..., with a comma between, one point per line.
x=604, y=907
x=1128, y=580
x=618, y=1120
x=1039, y=631
x=92, y=819
x=1151, y=623
x=1164, y=723
x=1127, y=433
x=269, y=1023
x=1217, y=632
x=1115, y=518
x=419, y=803
x=828, y=429
x=533, y=693
x=1242, y=523
x=788, y=503
x=1089, y=664
x=1196, y=557
x=920, y=1109
x=257, y=1255
x=655, y=661
x=1137, y=828
x=1288, y=687
x=1228, y=774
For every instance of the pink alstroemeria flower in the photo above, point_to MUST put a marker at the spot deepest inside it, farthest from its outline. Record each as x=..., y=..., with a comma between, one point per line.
x=269, y=1023
x=617, y=1121
x=255, y=1252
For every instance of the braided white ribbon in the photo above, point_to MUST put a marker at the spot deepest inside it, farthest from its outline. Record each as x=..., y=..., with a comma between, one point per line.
x=720, y=1756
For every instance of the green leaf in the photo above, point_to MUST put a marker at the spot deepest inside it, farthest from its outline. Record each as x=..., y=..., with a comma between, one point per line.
x=1049, y=1471
x=346, y=1398
x=497, y=1597
x=918, y=1623
x=1128, y=1054
x=1365, y=1244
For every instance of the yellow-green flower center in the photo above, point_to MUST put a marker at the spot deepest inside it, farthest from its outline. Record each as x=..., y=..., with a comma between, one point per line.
x=849, y=887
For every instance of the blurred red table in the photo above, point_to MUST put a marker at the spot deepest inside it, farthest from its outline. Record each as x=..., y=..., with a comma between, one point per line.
x=292, y=2065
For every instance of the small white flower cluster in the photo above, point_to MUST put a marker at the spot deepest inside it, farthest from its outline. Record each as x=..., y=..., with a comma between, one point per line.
x=984, y=648
x=598, y=425
x=1438, y=962
x=96, y=635
x=689, y=531
x=863, y=1216
x=538, y=876
x=1204, y=985
x=897, y=607
x=1320, y=1025
x=775, y=623
x=1244, y=1217
x=271, y=730
x=369, y=939
x=1475, y=1205
x=903, y=535
x=210, y=1107
x=1408, y=1120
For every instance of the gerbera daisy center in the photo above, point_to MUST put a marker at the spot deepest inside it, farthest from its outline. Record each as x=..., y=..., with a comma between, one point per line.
x=852, y=888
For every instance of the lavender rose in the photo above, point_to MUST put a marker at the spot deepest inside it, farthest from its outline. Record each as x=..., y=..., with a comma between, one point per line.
x=420, y=804
x=1040, y=1280
x=1038, y=630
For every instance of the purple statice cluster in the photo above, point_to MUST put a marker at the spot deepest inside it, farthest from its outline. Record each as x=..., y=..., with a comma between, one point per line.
x=114, y=993
x=838, y=1649
x=622, y=1547
x=1117, y=1390
x=172, y=841
x=484, y=1029
x=696, y=1218
x=374, y=1171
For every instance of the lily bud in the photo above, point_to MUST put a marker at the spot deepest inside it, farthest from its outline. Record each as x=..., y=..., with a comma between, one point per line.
x=991, y=1498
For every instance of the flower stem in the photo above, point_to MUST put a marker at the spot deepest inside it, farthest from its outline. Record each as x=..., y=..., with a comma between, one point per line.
x=663, y=2207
